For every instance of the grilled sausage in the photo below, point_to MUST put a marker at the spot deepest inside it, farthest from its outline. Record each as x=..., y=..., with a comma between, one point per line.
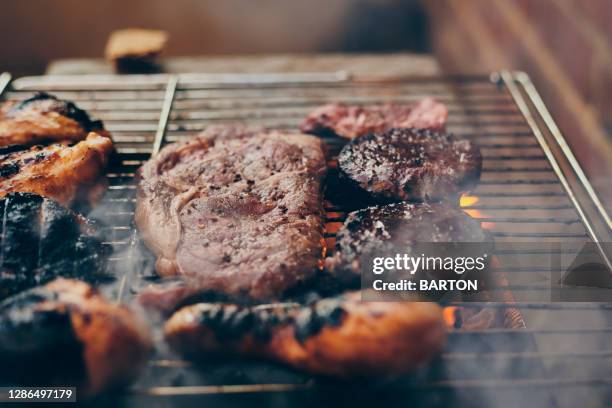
x=340, y=336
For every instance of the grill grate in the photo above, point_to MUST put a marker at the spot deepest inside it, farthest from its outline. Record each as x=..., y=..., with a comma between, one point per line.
x=532, y=191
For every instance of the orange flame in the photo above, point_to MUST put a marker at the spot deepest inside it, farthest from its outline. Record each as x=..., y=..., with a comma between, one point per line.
x=450, y=315
x=468, y=201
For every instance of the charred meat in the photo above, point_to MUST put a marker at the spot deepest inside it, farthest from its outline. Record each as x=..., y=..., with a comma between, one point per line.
x=400, y=228
x=66, y=333
x=350, y=121
x=42, y=240
x=340, y=336
x=44, y=118
x=71, y=175
x=411, y=165
x=235, y=211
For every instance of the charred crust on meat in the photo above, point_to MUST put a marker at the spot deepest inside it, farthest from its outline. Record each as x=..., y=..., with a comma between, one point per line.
x=72, y=175
x=312, y=320
x=9, y=169
x=228, y=321
x=326, y=337
x=7, y=150
x=410, y=165
x=383, y=230
x=43, y=240
x=67, y=333
x=231, y=322
x=19, y=316
x=51, y=103
x=41, y=338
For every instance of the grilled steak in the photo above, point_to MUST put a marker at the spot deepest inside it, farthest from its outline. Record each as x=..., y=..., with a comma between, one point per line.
x=400, y=228
x=65, y=333
x=411, y=165
x=235, y=211
x=340, y=336
x=45, y=118
x=42, y=240
x=71, y=175
x=352, y=121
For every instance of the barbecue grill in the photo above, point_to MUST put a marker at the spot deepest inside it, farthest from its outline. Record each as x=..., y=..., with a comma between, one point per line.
x=533, y=196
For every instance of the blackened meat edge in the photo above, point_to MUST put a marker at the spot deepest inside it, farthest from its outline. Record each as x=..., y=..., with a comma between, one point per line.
x=44, y=118
x=65, y=333
x=409, y=228
x=340, y=336
x=72, y=175
x=410, y=165
x=42, y=240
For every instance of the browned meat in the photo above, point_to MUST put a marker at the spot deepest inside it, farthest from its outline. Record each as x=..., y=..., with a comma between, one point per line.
x=65, y=333
x=351, y=121
x=45, y=118
x=340, y=336
x=67, y=174
x=411, y=165
x=399, y=228
x=235, y=211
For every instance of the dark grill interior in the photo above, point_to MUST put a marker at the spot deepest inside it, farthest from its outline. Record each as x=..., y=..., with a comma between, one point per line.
x=531, y=192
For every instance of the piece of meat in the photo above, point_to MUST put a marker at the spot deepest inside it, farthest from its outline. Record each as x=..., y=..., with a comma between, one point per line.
x=65, y=333
x=401, y=228
x=41, y=240
x=340, y=336
x=351, y=121
x=71, y=175
x=411, y=165
x=134, y=50
x=235, y=211
x=44, y=118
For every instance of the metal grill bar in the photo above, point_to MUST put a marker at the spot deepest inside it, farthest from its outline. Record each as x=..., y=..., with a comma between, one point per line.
x=5, y=80
x=515, y=384
x=520, y=102
x=165, y=114
x=541, y=107
x=220, y=389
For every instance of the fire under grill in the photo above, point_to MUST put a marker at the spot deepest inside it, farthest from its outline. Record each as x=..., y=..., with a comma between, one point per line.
x=532, y=196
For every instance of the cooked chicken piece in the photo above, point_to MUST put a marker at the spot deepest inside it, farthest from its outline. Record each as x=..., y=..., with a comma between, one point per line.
x=44, y=118
x=67, y=174
x=340, y=336
x=65, y=333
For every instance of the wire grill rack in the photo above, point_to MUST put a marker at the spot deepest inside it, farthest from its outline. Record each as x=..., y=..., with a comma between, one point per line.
x=532, y=195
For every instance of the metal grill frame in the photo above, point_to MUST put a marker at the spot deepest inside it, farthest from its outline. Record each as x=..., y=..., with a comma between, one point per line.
x=541, y=129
